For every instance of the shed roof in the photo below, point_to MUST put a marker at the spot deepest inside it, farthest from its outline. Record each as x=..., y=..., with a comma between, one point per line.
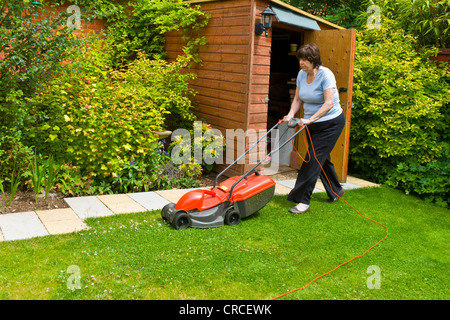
x=293, y=18
x=290, y=15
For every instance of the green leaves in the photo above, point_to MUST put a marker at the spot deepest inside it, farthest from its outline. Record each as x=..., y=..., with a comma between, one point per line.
x=101, y=119
x=400, y=105
x=43, y=174
x=144, y=29
x=427, y=20
x=37, y=174
x=342, y=12
x=429, y=180
x=32, y=52
x=96, y=109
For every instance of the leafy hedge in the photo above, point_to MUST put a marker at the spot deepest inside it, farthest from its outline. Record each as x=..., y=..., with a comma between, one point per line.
x=399, y=132
x=141, y=25
x=429, y=180
x=94, y=112
x=31, y=51
x=100, y=118
x=425, y=19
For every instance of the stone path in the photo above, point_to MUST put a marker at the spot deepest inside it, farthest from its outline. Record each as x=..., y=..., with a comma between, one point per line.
x=25, y=225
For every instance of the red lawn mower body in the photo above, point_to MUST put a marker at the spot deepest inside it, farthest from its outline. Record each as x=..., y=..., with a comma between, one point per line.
x=232, y=200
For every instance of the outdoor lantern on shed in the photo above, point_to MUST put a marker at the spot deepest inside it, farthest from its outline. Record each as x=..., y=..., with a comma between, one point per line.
x=267, y=16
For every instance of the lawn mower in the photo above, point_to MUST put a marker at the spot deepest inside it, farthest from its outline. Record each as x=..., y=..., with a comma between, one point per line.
x=232, y=200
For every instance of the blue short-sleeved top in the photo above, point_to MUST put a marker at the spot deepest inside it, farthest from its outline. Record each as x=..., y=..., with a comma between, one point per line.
x=312, y=94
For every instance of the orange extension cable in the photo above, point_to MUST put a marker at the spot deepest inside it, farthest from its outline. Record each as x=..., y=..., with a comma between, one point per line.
x=344, y=263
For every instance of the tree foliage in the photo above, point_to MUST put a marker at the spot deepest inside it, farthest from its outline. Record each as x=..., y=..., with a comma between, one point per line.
x=142, y=24
x=100, y=118
x=98, y=109
x=32, y=49
x=341, y=12
x=400, y=113
x=428, y=20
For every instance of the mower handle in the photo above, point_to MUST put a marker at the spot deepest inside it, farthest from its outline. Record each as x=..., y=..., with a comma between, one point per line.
x=261, y=161
x=293, y=122
x=246, y=151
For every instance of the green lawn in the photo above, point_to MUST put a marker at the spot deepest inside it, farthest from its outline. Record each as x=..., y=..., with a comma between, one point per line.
x=136, y=256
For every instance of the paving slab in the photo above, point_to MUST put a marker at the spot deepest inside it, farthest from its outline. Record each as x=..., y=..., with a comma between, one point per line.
x=121, y=203
x=349, y=186
x=281, y=190
x=22, y=225
x=271, y=170
x=1, y=236
x=60, y=221
x=88, y=207
x=149, y=200
x=287, y=183
x=175, y=194
x=319, y=185
x=361, y=183
x=291, y=183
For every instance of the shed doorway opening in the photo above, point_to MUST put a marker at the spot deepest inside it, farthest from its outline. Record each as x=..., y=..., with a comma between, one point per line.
x=284, y=67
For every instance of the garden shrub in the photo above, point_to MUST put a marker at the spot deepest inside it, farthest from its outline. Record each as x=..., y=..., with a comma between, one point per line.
x=13, y=153
x=96, y=110
x=152, y=171
x=72, y=182
x=400, y=111
x=201, y=145
x=31, y=51
x=430, y=180
x=143, y=23
x=425, y=19
x=155, y=171
x=341, y=12
x=101, y=119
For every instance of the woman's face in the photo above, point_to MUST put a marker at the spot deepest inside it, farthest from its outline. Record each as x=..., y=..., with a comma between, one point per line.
x=306, y=65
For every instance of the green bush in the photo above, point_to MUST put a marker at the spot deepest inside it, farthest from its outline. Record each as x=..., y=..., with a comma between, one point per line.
x=31, y=52
x=204, y=142
x=13, y=153
x=155, y=172
x=341, y=12
x=400, y=112
x=142, y=26
x=427, y=20
x=430, y=180
x=96, y=110
x=100, y=119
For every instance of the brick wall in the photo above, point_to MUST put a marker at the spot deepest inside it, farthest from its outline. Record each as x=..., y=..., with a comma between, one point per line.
x=94, y=27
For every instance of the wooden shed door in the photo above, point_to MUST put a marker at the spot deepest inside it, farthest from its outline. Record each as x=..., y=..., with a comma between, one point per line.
x=337, y=49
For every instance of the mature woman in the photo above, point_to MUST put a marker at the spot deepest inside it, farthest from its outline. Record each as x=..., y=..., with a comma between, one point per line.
x=317, y=94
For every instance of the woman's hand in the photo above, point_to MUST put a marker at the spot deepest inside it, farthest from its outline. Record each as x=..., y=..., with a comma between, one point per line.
x=301, y=121
x=304, y=122
x=287, y=118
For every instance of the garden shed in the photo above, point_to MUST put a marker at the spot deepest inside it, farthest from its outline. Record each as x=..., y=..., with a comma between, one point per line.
x=247, y=79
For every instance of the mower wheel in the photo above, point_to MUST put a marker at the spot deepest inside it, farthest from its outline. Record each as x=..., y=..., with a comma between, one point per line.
x=181, y=220
x=232, y=218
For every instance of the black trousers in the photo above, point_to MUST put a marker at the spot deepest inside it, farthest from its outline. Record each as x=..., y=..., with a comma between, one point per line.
x=324, y=136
